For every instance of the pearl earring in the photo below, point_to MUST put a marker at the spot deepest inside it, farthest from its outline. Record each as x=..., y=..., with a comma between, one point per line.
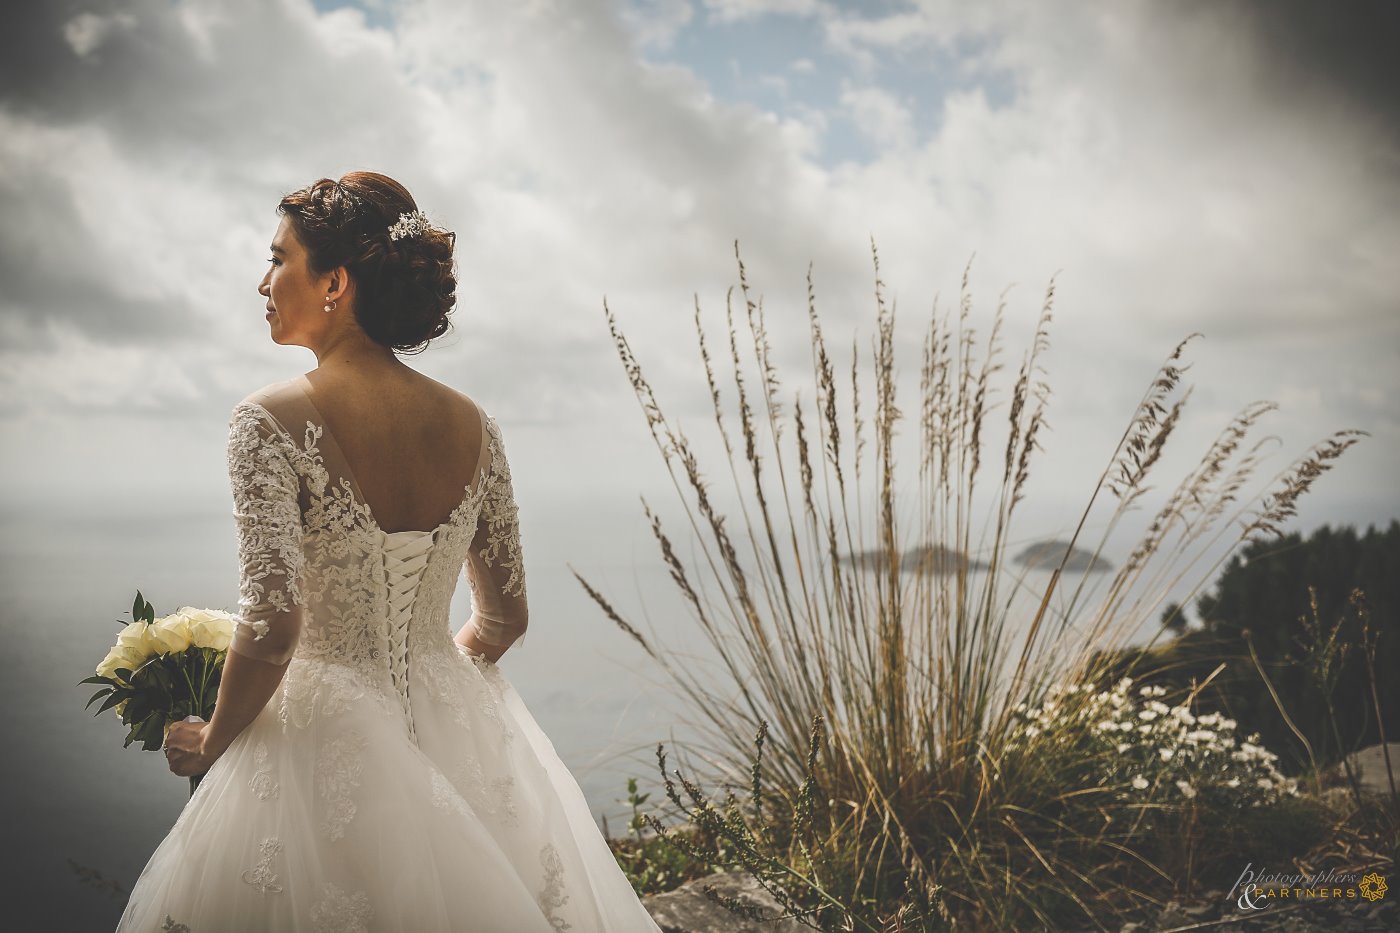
x=330, y=305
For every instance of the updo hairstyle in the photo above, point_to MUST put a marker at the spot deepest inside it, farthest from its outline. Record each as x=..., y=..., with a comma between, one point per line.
x=404, y=289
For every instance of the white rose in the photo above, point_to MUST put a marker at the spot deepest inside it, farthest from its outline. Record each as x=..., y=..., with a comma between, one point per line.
x=120, y=656
x=210, y=628
x=137, y=637
x=172, y=633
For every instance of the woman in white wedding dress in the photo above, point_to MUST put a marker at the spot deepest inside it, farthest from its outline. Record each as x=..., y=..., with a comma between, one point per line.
x=365, y=769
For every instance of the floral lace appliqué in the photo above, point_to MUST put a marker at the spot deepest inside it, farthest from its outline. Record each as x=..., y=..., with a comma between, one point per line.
x=267, y=515
x=338, y=769
x=445, y=796
x=263, y=783
x=311, y=686
x=261, y=875
x=494, y=797
x=552, y=897
x=491, y=696
x=170, y=926
x=501, y=514
x=338, y=912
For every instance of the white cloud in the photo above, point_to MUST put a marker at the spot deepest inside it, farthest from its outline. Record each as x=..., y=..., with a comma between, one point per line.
x=735, y=10
x=655, y=23
x=86, y=32
x=886, y=122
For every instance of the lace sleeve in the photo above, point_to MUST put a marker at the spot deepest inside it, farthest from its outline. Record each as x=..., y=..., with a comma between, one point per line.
x=267, y=515
x=495, y=562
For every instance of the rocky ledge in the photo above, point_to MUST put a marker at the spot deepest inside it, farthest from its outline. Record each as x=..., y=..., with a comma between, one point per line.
x=688, y=910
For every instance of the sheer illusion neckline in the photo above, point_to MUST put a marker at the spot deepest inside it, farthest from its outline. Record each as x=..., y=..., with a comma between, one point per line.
x=458, y=511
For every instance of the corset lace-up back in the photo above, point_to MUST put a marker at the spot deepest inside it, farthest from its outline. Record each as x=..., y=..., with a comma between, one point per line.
x=405, y=556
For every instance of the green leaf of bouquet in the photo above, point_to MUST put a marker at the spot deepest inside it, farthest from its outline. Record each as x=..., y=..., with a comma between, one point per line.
x=95, y=679
x=99, y=693
x=136, y=606
x=139, y=707
x=154, y=732
x=123, y=673
x=112, y=701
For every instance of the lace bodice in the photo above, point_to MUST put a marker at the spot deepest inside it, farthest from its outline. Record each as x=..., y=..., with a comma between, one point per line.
x=321, y=581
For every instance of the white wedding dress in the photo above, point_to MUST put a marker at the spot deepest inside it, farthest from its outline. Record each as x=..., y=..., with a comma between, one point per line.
x=393, y=782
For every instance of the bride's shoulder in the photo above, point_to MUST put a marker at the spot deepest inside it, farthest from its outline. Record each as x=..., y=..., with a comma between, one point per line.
x=272, y=397
x=277, y=405
x=459, y=401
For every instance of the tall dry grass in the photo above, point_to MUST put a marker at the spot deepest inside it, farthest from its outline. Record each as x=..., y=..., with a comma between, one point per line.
x=829, y=599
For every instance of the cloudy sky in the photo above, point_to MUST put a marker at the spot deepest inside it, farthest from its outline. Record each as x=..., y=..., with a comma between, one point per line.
x=1229, y=168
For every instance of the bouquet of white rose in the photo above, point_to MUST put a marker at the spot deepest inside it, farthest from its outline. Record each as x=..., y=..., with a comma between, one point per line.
x=163, y=670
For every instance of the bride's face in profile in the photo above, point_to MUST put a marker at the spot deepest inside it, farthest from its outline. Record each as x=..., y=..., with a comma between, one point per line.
x=295, y=296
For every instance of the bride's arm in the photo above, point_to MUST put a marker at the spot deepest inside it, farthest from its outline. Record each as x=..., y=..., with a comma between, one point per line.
x=495, y=565
x=268, y=519
x=244, y=689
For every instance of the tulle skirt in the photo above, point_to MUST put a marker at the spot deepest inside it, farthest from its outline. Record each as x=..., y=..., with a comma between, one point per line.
x=344, y=807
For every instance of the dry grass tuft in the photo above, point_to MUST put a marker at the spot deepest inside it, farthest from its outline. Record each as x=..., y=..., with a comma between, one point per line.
x=832, y=600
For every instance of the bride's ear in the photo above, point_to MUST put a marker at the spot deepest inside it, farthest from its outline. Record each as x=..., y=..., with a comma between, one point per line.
x=338, y=284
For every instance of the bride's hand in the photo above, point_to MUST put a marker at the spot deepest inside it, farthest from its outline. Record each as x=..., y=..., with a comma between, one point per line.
x=185, y=749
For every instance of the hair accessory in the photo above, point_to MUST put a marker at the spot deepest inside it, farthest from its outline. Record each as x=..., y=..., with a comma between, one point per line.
x=408, y=225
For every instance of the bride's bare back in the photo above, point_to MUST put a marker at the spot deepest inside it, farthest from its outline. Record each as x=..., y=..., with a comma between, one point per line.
x=412, y=443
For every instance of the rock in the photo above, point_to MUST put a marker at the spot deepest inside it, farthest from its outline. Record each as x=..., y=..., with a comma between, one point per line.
x=1371, y=763
x=688, y=910
x=1173, y=915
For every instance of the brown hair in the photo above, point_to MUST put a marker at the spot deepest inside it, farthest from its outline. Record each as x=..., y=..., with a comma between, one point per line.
x=406, y=288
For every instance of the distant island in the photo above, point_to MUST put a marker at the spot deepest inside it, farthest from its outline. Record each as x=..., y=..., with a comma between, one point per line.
x=1046, y=555
x=1043, y=555
x=936, y=560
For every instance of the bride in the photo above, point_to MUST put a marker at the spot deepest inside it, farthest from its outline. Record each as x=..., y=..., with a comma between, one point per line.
x=365, y=769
